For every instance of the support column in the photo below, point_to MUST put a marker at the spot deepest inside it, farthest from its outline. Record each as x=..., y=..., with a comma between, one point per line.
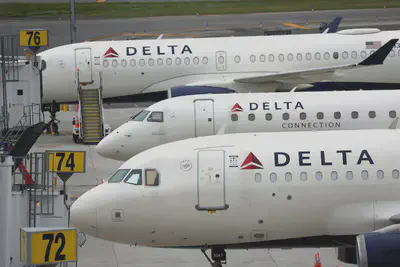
x=6, y=164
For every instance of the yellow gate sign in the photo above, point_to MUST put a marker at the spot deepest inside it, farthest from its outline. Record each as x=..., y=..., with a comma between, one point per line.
x=49, y=245
x=66, y=161
x=33, y=38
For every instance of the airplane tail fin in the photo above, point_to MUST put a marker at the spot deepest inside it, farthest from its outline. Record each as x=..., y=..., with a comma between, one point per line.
x=333, y=25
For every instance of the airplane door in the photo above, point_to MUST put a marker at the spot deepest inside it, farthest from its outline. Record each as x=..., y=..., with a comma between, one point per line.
x=220, y=58
x=83, y=63
x=211, y=180
x=204, y=117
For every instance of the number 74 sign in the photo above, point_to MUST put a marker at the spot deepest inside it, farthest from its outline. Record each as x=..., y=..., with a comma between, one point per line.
x=66, y=161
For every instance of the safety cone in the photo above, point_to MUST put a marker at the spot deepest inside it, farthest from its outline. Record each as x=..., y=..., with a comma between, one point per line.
x=317, y=260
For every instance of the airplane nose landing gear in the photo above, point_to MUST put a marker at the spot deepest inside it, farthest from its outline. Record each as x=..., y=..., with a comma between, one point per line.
x=218, y=256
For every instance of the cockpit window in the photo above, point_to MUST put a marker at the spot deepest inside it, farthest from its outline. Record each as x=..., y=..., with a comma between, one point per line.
x=152, y=178
x=156, y=116
x=134, y=177
x=140, y=116
x=118, y=176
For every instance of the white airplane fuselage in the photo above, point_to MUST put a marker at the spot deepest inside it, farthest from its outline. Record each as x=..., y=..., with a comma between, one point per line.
x=249, y=189
x=144, y=66
x=201, y=115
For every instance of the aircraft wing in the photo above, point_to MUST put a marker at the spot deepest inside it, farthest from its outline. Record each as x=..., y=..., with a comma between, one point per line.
x=376, y=58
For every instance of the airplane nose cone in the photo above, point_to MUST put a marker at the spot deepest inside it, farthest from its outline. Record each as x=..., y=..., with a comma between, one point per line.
x=106, y=147
x=84, y=213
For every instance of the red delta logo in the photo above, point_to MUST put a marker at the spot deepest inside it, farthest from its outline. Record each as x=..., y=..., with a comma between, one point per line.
x=111, y=53
x=251, y=163
x=237, y=108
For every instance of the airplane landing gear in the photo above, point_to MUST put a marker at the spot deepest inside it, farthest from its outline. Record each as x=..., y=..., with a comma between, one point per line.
x=218, y=256
x=53, y=125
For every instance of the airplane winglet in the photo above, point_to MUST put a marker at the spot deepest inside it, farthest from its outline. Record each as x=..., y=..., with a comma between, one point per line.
x=334, y=25
x=393, y=125
x=380, y=55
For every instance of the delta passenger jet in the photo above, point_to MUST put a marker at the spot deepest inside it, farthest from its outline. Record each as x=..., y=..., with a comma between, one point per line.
x=244, y=64
x=256, y=190
x=201, y=115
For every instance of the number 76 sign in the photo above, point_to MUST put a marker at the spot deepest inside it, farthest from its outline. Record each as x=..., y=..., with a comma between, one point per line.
x=66, y=161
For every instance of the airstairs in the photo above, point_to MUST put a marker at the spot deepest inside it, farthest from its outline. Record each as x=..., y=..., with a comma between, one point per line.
x=91, y=129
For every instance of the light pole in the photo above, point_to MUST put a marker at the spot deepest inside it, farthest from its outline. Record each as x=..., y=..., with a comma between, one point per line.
x=72, y=21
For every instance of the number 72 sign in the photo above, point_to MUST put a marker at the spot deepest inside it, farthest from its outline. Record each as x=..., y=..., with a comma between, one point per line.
x=66, y=161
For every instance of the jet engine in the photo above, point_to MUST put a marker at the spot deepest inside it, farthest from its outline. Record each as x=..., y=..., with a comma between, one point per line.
x=197, y=90
x=378, y=249
x=347, y=254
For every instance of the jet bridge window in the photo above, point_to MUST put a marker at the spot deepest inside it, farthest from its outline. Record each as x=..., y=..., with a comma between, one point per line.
x=118, y=176
x=156, y=116
x=392, y=114
x=134, y=177
x=140, y=116
x=152, y=178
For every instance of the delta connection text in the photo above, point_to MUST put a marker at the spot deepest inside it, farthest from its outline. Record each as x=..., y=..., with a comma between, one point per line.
x=289, y=105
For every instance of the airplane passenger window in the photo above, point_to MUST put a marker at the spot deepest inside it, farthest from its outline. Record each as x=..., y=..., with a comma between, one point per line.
x=354, y=115
x=349, y=175
x=395, y=174
x=335, y=55
x=160, y=61
x=156, y=116
x=169, y=61
x=141, y=62
x=285, y=116
x=334, y=176
x=187, y=60
x=308, y=56
x=303, y=116
x=317, y=56
x=281, y=57
x=252, y=58
x=363, y=54
x=299, y=57
x=320, y=115
x=262, y=58
x=372, y=114
x=337, y=115
x=290, y=57
x=252, y=117
x=373, y=51
x=354, y=54
x=392, y=53
x=392, y=114
x=327, y=56
x=115, y=63
x=118, y=176
x=140, y=116
x=178, y=61
x=271, y=57
x=273, y=177
x=364, y=174
x=379, y=174
x=205, y=60
x=134, y=177
x=258, y=177
x=237, y=59
x=268, y=116
x=345, y=55
x=152, y=178
x=303, y=176
x=234, y=117
x=124, y=63
x=318, y=176
x=132, y=62
x=151, y=62
x=288, y=177
x=105, y=63
x=196, y=60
